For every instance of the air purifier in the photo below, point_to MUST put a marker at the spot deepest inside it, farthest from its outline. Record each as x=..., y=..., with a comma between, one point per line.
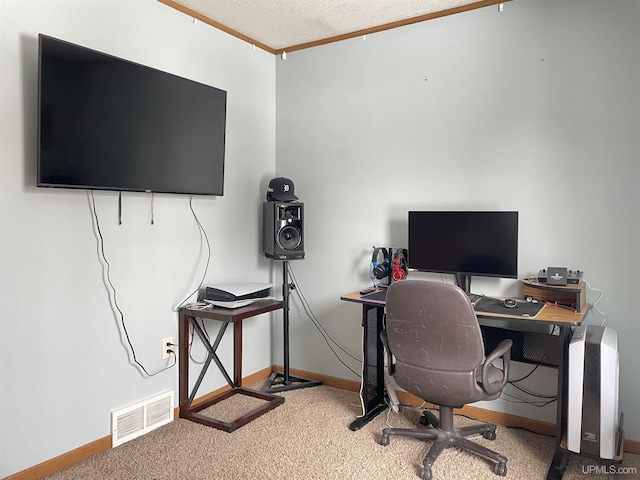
x=592, y=417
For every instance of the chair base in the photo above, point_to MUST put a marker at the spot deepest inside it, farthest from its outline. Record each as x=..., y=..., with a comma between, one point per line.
x=444, y=435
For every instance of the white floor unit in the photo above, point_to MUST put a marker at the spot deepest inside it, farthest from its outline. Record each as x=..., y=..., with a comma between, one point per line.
x=592, y=417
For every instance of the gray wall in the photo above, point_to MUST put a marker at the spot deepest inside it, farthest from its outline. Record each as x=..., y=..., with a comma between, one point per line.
x=63, y=363
x=533, y=109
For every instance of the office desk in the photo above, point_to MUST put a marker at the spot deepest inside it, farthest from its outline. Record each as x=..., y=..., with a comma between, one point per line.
x=226, y=316
x=530, y=345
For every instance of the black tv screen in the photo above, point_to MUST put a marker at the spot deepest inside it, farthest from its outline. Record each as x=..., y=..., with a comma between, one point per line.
x=111, y=124
x=465, y=243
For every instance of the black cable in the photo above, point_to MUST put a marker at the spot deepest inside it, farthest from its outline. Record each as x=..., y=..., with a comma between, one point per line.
x=533, y=394
x=320, y=328
x=119, y=206
x=522, y=400
x=525, y=377
x=513, y=383
x=206, y=334
x=153, y=221
x=114, y=293
x=190, y=344
x=206, y=268
x=311, y=315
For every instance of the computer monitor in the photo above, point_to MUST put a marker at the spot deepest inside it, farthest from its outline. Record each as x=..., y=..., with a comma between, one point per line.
x=473, y=243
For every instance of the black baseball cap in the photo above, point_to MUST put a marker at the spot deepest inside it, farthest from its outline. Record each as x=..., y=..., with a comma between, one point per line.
x=281, y=189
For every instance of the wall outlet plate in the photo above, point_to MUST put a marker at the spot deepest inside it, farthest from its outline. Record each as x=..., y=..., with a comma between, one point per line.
x=165, y=354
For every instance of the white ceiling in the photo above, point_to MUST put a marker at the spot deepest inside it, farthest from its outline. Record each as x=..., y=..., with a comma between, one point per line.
x=287, y=25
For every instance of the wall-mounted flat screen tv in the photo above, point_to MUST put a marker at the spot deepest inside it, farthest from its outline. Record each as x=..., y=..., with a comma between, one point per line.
x=106, y=123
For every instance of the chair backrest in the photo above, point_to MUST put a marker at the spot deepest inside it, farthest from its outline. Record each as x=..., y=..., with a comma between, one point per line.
x=433, y=324
x=434, y=336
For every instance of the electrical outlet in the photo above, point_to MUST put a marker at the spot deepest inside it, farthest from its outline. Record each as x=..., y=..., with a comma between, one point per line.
x=169, y=340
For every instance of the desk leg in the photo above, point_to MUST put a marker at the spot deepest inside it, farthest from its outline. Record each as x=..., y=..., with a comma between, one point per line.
x=558, y=465
x=193, y=413
x=183, y=356
x=237, y=353
x=372, y=381
x=561, y=456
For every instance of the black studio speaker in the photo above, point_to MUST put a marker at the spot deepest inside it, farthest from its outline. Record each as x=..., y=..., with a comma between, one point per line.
x=283, y=233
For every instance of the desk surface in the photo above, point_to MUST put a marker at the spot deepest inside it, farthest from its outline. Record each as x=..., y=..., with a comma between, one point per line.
x=232, y=314
x=548, y=314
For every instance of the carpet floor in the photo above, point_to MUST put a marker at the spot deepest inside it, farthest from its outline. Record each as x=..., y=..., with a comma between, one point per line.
x=308, y=437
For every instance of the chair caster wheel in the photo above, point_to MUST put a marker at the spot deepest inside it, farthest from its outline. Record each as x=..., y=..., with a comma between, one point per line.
x=424, y=421
x=501, y=469
x=426, y=473
x=384, y=440
x=490, y=435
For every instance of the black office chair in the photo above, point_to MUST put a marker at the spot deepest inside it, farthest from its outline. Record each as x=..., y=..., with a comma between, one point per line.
x=435, y=352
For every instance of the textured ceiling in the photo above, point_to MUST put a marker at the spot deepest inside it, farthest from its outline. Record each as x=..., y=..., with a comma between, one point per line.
x=287, y=25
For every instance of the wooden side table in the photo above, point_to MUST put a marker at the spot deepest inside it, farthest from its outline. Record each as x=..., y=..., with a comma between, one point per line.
x=235, y=316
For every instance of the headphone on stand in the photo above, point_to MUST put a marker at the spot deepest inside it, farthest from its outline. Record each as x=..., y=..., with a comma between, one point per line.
x=379, y=268
x=399, y=265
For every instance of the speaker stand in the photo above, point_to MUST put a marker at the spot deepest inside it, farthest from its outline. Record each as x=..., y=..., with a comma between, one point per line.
x=282, y=382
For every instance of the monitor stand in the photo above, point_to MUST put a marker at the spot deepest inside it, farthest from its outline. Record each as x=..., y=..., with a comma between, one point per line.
x=464, y=282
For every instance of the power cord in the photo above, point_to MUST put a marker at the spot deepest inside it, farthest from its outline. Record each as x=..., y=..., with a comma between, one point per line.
x=525, y=377
x=113, y=297
x=204, y=235
x=507, y=397
x=595, y=304
x=327, y=337
x=546, y=399
x=190, y=344
x=533, y=394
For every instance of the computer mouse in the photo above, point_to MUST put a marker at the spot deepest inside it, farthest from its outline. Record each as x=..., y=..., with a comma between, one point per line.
x=510, y=302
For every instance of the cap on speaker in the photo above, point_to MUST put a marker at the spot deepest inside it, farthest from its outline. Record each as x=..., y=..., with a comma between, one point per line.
x=281, y=189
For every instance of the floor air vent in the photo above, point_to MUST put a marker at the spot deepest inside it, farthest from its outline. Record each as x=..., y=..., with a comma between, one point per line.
x=136, y=420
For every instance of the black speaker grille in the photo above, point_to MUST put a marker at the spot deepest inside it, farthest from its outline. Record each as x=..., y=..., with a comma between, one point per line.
x=289, y=237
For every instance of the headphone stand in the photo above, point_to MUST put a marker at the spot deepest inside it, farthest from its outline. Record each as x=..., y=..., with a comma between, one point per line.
x=282, y=382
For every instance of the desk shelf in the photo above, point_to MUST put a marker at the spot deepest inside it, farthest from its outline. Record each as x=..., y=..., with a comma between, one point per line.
x=573, y=296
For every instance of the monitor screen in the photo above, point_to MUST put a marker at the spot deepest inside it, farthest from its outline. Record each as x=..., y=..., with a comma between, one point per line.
x=465, y=243
x=108, y=123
